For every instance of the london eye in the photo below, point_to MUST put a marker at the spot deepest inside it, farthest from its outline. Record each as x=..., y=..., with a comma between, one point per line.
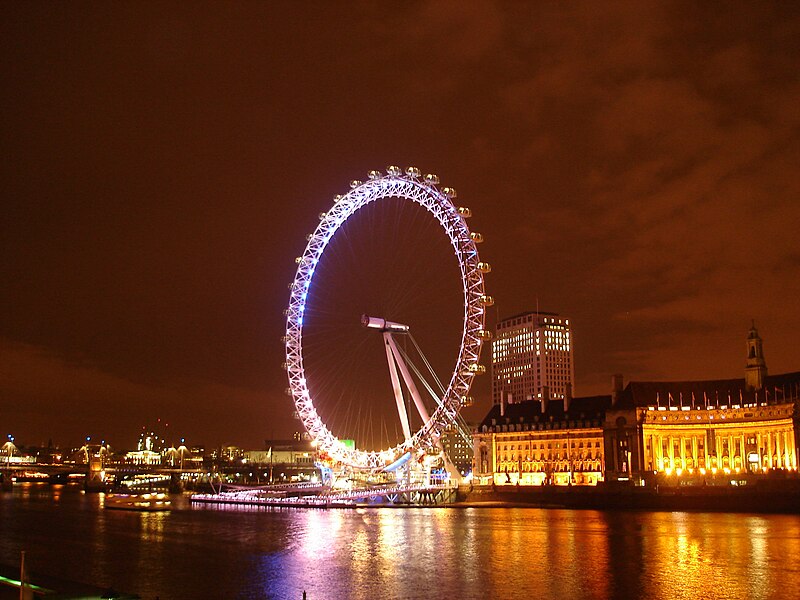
x=437, y=401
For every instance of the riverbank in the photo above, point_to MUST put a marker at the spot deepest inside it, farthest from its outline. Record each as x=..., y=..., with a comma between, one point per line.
x=779, y=496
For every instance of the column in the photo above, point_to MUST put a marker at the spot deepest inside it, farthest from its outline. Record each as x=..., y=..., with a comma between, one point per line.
x=779, y=449
x=671, y=451
x=769, y=449
x=731, y=452
x=683, y=451
x=786, y=462
x=494, y=455
x=758, y=449
x=658, y=448
x=743, y=450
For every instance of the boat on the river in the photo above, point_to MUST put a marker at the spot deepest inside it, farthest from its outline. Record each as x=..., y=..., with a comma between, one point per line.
x=151, y=502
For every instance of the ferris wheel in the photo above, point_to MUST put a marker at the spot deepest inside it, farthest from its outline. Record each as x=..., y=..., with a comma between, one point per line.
x=413, y=187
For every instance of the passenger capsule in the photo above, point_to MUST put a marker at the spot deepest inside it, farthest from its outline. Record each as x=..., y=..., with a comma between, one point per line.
x=355, y=183
x=337, y=198
x=476, y=369
x=285, y=366
x=484, y=334
x=322, y=215
x=375, y=175
x=464, y=212
x=299, y=260
x=431, y=179
x=394, y=171
x=484, y=267
x=288, y=391
x=467, y=401
x=486, y=300
x=413, y=172
x=449, y=192
x=476, y=237
x=309, y=237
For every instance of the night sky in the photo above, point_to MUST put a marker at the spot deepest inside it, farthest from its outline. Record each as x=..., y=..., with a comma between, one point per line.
x=634, y=166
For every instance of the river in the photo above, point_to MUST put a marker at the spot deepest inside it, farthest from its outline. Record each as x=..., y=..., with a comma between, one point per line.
x=205, y=552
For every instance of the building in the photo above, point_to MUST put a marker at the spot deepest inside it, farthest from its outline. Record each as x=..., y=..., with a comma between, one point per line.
x=541, y=442
x=693, y=430
x=283, y=452
x=532, y=358
x=285, y=460
x=458, y=449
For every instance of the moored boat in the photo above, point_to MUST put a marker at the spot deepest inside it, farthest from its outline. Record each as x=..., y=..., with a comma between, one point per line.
x=140, y=502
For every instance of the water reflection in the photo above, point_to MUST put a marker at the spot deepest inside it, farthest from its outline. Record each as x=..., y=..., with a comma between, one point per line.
x=717, y=555
x=398, y=553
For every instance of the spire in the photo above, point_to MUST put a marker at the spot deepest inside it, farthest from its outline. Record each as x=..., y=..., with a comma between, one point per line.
x=755, y=371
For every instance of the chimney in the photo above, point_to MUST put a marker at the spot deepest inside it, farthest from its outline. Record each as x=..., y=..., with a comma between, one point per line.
x=545, y=397
x=616, y=387
x=567, y=397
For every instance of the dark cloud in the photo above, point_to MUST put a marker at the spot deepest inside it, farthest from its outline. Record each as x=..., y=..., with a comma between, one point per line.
x=632, y=165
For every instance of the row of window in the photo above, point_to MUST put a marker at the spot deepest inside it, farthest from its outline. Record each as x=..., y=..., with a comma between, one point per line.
x=562, y=467
x=550, y=445
x=550, y=456
x=535, y=426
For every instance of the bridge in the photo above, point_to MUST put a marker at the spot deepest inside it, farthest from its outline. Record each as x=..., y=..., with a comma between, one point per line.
x=97, y=476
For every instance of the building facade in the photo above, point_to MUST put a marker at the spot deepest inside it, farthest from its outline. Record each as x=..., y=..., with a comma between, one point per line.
x=690, y=430
x=542, y=443
x=458, y=449
x=532, y=358
x=708, y=427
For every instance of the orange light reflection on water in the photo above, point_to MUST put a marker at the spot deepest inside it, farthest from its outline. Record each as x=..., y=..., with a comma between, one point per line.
x=528, y=552
x=718, y=555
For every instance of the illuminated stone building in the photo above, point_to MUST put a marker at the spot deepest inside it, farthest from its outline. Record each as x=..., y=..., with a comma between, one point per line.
x=691, y=430
x=531, y=355
x=149, y=449
x=542, y=442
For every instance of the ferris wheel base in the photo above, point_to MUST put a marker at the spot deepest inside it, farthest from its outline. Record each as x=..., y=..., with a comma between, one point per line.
x=425, y=470
x=398, y=463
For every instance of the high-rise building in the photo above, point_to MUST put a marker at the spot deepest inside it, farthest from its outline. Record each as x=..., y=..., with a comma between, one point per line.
x=532, y=358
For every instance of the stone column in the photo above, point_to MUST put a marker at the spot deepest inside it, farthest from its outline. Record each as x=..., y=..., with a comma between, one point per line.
x=671, y=450
x=743, y=450
x=769, y=449
x=683, y=452
x=731, y=453
x=658, y=450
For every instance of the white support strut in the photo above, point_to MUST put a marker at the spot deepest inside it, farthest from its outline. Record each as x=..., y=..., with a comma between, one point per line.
x=412, y=387
x=398, y=391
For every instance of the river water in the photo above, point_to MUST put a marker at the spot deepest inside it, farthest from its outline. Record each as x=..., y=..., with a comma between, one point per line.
x=194, y=552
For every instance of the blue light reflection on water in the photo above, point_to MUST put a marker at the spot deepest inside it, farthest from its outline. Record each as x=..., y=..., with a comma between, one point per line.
x=399, y=553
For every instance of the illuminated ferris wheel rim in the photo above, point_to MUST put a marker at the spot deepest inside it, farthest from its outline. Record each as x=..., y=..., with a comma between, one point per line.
x=411, y=186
